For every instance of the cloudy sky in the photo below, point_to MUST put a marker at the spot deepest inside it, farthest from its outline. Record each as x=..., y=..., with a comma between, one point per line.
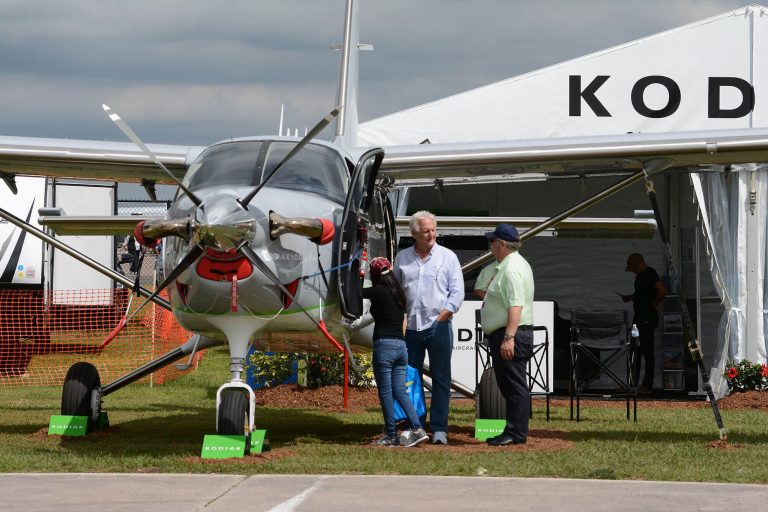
x=195, y=71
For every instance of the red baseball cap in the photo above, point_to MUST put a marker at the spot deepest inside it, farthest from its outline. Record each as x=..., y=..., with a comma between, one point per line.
x=380, y=266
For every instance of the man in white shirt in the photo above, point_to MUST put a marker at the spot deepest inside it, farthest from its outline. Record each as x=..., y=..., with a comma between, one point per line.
x=433, y=283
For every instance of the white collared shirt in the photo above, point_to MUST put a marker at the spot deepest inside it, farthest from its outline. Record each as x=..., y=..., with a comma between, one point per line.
x=430, y=285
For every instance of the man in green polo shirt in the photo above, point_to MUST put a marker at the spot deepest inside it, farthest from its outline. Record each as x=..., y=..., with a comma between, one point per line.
x=507, y=321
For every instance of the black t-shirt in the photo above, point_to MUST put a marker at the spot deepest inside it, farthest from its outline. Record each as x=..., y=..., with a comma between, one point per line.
x=645, y=296
x=387, y=315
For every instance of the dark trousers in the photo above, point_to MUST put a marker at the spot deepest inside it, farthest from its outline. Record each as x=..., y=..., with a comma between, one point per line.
x=135, y=262
x=513, y=381
x=646, y=352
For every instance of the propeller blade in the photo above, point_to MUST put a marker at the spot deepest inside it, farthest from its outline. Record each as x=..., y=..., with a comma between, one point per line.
x=185, y=262
x=303, y=142
x=136, y=140
x=257, y=262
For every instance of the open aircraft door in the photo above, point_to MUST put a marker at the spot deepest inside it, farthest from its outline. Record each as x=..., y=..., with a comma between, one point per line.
x=367, y=230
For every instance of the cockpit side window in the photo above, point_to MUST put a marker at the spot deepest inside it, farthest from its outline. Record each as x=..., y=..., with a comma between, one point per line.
x=315, y=169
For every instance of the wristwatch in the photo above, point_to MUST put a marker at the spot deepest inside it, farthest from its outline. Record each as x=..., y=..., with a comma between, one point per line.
x=508, y=336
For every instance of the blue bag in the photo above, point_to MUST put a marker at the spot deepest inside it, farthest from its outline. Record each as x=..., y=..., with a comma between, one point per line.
x=415, y=393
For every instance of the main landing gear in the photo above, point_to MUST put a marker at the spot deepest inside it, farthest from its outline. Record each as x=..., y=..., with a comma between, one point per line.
x=82, y=393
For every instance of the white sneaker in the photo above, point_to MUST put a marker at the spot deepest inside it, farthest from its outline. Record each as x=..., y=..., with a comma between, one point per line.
x=440, y=438
x=412, y=437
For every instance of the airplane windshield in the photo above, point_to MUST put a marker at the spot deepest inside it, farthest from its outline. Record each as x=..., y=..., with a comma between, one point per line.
x=315, y=168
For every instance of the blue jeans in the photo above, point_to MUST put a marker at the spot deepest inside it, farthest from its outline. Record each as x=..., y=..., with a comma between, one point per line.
x=390, y=362
x=437, y=341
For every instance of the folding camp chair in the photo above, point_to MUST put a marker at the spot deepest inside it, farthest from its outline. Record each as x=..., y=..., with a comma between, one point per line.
x=601, y=346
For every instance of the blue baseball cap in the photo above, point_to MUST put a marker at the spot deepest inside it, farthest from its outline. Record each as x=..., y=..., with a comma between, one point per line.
x=506, y=232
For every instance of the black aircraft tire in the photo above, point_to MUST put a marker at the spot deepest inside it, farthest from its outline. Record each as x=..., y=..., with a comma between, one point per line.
x=81, y=380
x=233, y=414
x=490, y=402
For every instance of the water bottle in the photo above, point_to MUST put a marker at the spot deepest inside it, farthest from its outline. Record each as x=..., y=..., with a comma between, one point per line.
x=635, y=334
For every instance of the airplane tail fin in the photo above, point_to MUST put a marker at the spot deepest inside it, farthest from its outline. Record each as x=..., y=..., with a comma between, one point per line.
x=346, y=123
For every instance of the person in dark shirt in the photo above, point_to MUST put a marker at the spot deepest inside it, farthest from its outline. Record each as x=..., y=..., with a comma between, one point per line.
x=649, y=294
x=390, y=356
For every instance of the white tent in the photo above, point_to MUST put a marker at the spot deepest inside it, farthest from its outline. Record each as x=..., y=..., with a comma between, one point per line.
x=695, y=77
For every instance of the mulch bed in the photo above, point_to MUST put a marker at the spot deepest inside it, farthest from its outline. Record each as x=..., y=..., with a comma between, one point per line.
x=330, y=398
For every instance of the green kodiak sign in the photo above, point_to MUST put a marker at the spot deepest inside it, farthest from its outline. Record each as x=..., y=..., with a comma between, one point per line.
x=485, y=429
x=223, y=447
x=68, y=425
x=227, y=447
x=257, y=441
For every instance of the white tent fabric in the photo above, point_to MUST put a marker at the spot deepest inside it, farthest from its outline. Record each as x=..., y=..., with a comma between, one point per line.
x=540, y=104
x=635, y=87
x=724, y=201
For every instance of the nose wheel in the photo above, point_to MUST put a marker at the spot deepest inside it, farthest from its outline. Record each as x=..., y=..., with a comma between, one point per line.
x=235, y=411
x=233, y=414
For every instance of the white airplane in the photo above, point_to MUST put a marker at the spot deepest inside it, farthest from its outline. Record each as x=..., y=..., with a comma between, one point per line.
x=267, y=239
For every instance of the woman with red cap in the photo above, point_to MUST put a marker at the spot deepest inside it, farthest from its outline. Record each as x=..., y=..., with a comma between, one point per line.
x=390, y=356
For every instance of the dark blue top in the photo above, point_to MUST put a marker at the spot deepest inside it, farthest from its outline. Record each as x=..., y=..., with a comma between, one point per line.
x=387, y=315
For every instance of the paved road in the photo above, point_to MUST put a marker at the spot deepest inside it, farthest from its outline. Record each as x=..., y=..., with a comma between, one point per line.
x=287, y=493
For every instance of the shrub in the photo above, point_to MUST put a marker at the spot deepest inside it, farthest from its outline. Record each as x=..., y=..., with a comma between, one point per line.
x=365, y=378
x=272, y=369
x=746, y=375
x=324, y=370
x=320, y=369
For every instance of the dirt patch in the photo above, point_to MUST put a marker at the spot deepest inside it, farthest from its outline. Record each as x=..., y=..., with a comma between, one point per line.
x=757, y=400
x=724, y=445
x=462, y=440
x=90, y=438
x=328, y=398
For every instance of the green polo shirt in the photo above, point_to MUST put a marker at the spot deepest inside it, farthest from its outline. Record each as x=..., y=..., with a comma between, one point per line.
x=512, y=286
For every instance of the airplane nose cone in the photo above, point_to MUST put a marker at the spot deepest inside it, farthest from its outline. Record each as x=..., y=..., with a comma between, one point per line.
x=222, y=224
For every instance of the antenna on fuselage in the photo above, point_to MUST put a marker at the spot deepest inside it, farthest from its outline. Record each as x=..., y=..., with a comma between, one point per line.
x=303, y=142
x=282, y=110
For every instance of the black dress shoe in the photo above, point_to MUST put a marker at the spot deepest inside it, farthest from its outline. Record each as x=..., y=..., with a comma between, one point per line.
x=503, y=440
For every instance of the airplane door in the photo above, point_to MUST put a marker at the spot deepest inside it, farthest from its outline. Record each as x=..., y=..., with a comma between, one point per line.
x=358, y=218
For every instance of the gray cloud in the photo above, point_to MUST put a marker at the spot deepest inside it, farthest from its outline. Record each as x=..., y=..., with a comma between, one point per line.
x=198, y=71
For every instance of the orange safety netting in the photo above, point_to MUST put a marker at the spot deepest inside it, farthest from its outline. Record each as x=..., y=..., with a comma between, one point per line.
x=42, y=333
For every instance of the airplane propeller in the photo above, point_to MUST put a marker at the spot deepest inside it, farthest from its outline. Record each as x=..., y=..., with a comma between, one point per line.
x=222, y=226
x=136, y=140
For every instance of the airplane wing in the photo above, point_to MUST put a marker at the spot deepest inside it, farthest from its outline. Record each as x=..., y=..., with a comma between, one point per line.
x=574, y=227
x=525, y=160
x=88, y=159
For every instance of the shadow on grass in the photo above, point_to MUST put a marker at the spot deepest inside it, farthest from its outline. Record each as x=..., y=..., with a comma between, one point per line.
x=182, y=434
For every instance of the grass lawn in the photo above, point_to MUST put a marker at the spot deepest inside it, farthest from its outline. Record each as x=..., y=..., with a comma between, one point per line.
x=160, y=429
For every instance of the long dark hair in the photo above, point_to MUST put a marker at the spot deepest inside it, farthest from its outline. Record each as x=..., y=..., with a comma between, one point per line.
x=389, y=281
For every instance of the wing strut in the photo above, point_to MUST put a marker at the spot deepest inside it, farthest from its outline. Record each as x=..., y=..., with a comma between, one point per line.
x=569, y=212
x=693, y=342
x=95, y=265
